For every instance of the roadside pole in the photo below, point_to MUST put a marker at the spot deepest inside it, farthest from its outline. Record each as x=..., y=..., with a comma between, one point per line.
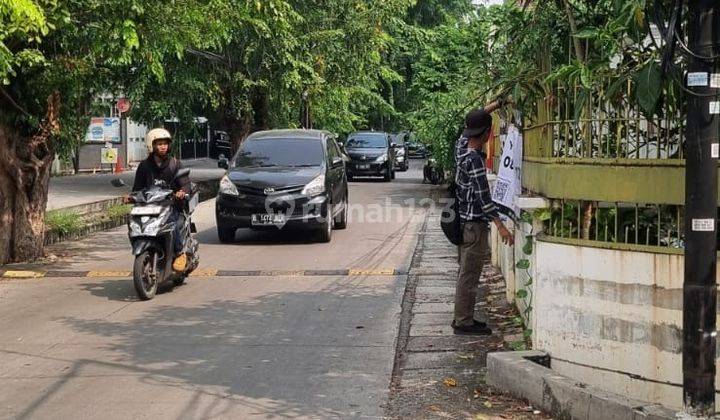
x=701, y=183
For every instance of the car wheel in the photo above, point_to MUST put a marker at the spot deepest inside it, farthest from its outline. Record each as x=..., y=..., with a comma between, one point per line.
x=350, y=177
x=226, y=235
x=325, y=232
x=341, y=220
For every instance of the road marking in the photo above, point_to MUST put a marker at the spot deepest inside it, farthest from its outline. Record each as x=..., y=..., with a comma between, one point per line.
x=207, y=272
x=210, y=272
x=372, y=272
x=108, y=274
x=22, y=274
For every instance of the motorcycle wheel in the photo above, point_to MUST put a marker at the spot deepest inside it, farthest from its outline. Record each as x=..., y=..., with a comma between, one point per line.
x=145, y=286
x=179, y=279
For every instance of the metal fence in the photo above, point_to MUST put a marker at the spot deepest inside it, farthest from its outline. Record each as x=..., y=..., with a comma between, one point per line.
x=628, y=223
x=586, y=124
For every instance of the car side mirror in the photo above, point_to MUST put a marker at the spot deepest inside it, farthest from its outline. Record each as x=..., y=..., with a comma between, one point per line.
x=337, y=161
x=223, y=162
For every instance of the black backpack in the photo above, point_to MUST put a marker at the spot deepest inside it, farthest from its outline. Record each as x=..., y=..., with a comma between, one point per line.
x=450, y=222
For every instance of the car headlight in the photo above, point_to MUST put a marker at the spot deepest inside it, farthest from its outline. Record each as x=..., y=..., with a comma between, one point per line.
x=381, y=158
x=227, y=186
x=316, y=186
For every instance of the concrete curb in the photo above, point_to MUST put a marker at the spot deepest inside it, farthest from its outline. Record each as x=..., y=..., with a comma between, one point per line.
x=207, y=190
x=518, y=374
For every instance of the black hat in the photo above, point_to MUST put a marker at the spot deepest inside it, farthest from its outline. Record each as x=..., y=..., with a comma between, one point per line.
x=477, y=122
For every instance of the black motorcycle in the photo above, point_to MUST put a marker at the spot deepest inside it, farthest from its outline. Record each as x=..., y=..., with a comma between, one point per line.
x=151, y=231
x=432, y=172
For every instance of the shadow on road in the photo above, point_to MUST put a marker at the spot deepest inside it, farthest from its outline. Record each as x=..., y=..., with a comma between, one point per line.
x=225, y=357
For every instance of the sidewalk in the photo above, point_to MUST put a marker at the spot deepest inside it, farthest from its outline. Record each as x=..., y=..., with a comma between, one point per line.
x=438, y=374
x=74, y=190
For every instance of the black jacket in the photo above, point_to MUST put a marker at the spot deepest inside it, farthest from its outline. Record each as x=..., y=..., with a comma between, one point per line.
x=148, y=171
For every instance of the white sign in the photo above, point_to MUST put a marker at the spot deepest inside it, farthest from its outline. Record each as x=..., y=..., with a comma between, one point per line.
x=715, y=80
x=508, y=184
x=104, y=130
x=715, y=150
x=697, y=79
x=703, y=225
x=714, y=107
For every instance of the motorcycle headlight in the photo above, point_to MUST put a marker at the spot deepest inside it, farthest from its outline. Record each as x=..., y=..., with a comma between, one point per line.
x=227, y=186
x=381, y=158
x=316, y=186
x=401, y=151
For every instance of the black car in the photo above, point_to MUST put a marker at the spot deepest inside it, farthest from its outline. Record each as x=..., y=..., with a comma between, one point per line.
x=371, y=153
x=416, y=150
x=284, y=179
x=401, y=151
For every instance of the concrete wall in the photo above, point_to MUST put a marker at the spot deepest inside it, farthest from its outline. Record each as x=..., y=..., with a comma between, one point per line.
x=612, y=318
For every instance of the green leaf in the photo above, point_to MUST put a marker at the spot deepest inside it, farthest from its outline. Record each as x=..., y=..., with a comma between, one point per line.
x=542, y=214
x=648, y=87
x=526, y=217
x=587, y=33
x=523, y=264
x=522, y=293
x=528, y=247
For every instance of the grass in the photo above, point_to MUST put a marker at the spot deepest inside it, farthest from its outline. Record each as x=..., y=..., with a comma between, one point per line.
x=118, y=210
x=63, y=222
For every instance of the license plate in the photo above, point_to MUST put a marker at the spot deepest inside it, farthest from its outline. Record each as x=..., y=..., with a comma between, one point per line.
x=267, y=219
x=146, y=211
x=363, y=166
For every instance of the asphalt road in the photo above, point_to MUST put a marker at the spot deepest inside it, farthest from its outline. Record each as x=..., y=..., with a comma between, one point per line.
x=263, y=346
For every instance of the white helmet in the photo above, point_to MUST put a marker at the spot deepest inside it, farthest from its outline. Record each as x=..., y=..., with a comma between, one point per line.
x=156, y=134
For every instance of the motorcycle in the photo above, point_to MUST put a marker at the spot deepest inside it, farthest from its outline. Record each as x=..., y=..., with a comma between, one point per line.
x=432, y=172
x=151, y=231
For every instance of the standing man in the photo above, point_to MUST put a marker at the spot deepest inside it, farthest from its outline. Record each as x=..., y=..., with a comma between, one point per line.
x=477, y=211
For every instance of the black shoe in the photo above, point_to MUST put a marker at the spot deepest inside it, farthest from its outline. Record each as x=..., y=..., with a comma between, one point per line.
x=476, y=329
x=480, y=323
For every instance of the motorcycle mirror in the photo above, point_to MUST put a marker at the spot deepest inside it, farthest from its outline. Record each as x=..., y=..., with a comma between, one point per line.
x=117, y=182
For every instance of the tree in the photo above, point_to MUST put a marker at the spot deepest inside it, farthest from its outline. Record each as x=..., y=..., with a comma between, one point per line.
x=55, y=57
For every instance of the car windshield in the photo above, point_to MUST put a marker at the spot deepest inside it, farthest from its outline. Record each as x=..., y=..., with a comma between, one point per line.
x=372, y=141
x=280, y=152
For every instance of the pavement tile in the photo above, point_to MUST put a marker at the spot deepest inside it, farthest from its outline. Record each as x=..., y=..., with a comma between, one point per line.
x=431, y=330
x=480, y=345
x=436, y=307
x=441, y=290
x=430, y=360
x=435, y=297
x=432, y=319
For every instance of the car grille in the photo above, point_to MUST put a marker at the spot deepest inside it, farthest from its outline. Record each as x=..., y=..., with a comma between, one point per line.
x=248, y=190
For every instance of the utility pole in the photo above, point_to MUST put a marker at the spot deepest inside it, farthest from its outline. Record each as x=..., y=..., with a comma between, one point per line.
x=701, y=184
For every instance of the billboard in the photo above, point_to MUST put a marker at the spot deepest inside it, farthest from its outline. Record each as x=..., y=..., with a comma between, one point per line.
x=104, y=130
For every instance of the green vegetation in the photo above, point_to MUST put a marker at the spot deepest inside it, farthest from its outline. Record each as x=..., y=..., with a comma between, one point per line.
x=63, y=222
x=247, y=65
x=118, y=210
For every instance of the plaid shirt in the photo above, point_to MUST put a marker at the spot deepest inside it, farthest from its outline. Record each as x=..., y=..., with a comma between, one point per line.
x=473, y=191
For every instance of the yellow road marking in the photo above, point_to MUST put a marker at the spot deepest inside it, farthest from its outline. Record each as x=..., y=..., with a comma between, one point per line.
x=375, y=272
x=204, y=273
x=108, y=274
x=19, y=274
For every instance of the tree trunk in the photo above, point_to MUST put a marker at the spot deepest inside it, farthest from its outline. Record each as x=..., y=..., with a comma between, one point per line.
x=25, y=165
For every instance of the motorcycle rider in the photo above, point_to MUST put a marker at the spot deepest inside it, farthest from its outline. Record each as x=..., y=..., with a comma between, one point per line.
x=159, y=165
